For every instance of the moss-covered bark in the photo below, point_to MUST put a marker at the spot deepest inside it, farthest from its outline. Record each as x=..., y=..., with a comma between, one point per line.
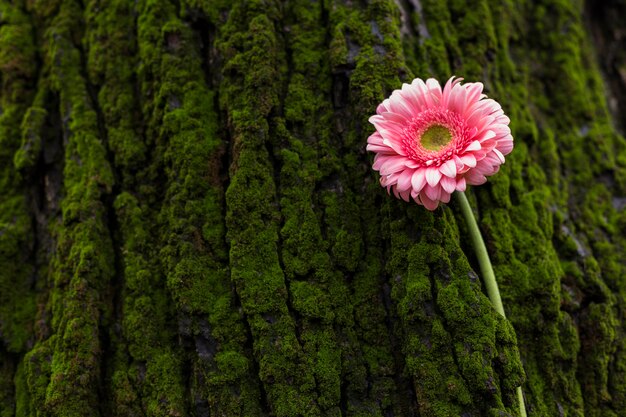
x=189, y=224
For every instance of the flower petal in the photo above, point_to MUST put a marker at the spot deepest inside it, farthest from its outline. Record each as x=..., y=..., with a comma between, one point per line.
x=432, y=192
x=499, y=155
x=433, y=175
x=448, y=184
x=405, y=195
x=404, y=180
x=428, y=203
x=461, y=184
x=486, y=168
x=418, y=180
x=474, y=146
x=474, y=177
x=458, y=99
x=392, y=164
x=485, y=136
x=469, y=160
x=383, y=107
x=434, y=89
x=430, y=176
x=448, y=168
x=398, y=105
x=447, y=91
x=395, y=118
x=473, y=92
x=505, y=145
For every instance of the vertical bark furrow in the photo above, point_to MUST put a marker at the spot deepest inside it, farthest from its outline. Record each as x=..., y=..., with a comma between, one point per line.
x=82, y=265
x=589, y=150
x=226, y=376
x=141, y=365
x=18, y=73
x=110, y=50
x=317, y=296
x=361, y=39
x=250, y=94
x=182, y=122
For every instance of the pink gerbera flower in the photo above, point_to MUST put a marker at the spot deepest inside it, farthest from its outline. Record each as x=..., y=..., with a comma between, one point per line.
x=429, y=142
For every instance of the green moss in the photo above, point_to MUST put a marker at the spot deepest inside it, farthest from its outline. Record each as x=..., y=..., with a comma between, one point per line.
x=37, y=371
x=17, y=301
x=189, y=222
x=302, y=289
x=28, y=155
x=79, y=272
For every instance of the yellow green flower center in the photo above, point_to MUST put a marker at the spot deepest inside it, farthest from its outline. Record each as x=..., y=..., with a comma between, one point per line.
x=435, y=137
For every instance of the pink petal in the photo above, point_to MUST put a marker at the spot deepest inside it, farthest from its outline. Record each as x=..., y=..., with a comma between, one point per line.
x=375, y=138
x=380, y=149
x=475, y=115
x=505, y=146
x=448, y=184
x=469, y=160
x=458, y=99
x=448, y=168
x=392, y=164
x=405, y=195
x=412, y=164
x=461, y=184
x=433, y=175
x=395, y=118
x=404, y=180
x=473, y=92
x=389, y=180
x=421, y=92
x=394, y=142
x=474, y=146
x=418, y=180
x=459, y=164
x=484, y=123
x=428, y=203
x=499, y=155
x=491, y=159
x=384, y=149
x=395, y=192
x=435, y=91
x=485, y=136
x=411, y=98
x=432, y=192
x=501, y=130
x=491, y=106
x=488, y=145
x=383, y=107
x=503, y=118
x=399, y=106
x=378, y=161
x=447, y=90
x=445, y=95
x=375, y=144
x=383, y=124
x=486, y=168
x=474, y=177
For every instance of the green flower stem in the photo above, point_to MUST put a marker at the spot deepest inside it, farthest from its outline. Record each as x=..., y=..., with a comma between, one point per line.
x=486, y=270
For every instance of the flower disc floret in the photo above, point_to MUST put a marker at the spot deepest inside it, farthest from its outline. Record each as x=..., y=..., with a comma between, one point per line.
x=431, y=141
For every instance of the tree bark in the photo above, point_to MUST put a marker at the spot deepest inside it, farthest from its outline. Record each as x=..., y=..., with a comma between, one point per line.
x=190, y=225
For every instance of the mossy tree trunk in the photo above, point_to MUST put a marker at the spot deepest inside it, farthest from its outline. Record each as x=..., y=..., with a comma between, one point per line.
x=189, y=224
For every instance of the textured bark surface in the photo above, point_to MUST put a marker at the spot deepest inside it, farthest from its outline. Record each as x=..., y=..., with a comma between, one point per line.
x=189, y=224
